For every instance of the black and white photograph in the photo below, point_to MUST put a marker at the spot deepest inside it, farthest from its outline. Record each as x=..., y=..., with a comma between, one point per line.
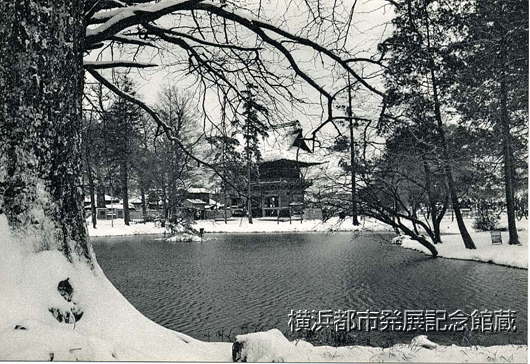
x=264, y=181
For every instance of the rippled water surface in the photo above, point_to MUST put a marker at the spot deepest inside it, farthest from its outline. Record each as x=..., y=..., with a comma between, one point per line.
x=247, y=282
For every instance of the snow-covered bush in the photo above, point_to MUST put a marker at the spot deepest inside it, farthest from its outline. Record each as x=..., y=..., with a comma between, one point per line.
x=486, y=220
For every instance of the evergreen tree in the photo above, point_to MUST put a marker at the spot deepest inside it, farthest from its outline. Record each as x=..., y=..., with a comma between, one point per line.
x=253, y=129
x=121, y=128
x=492, y=86
x=418, y=76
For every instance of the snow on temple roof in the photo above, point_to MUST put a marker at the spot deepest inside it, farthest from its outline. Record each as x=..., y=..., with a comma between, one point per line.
x=196, y=201
x=285, y=141
x=107, y=198
x=198, y=190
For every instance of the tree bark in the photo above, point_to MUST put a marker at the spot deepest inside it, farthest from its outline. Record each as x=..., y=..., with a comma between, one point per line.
x=91, y=189
x=142, y=193
x=508, y=166
x=432, y=202
x=124, y=179
x=508, y=157
x=438, y=220
x=249, y=175
x=164, y=197
x=468, y=242
x=90, y=175
x=41, y=79
x=174, y=175
x=100, y=188
x=354, y=209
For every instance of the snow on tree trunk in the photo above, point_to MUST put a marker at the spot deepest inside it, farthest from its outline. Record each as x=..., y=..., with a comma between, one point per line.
x=41, y=78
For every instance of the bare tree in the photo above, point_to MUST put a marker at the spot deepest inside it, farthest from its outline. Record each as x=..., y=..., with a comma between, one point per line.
x=176, y=109
x=223, y=44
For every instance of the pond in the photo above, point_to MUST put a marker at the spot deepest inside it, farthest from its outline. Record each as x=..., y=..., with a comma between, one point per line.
x=238, y=283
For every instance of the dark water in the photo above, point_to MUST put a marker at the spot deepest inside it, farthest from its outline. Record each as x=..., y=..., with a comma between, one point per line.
x=234, y=284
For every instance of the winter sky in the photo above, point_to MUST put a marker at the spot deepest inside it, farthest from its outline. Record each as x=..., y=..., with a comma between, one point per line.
x=370, y=25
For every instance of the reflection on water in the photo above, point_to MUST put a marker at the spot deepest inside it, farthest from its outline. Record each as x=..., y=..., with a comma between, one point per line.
x=249, y=282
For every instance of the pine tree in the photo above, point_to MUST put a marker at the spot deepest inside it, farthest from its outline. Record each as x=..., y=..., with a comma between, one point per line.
x=417, y=76
x=253, y=129
x=121, y=127
x=492, y=87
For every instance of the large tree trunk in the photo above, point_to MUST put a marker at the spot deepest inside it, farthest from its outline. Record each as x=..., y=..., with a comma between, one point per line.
x=468, y=242
x=354, y=209
x=438, y=220
x=164, y=198
x=41, y=78
x=91, y=189
x=124, y=177
x=144, y=204
x=225, y=198
x=249, y=176
x=90, y=175
x=432, y=202
x=100, y=188
x=508, y=164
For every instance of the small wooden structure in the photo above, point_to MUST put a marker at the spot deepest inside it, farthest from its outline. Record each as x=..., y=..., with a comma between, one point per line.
x=496, y=237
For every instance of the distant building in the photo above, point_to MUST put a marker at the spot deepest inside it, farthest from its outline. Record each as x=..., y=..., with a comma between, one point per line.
x=198, y=193
x=281, y=184
x=199, y=201
x=114, y=209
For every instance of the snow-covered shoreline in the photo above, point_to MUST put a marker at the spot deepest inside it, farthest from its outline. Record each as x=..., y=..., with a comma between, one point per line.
x=272, y=346
x=239, y=225
x=307, y=226
x=118, y=228
x=452, y=246
x=505, y=255
x=111, y=329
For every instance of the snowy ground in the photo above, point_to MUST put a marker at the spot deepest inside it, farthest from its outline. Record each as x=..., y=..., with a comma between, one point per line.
x=453, y=247
x=239, y=225
x=272, y=346
x=118, y=228
x=110, y=328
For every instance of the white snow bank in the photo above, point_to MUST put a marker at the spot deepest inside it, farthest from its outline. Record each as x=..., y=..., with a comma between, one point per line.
x=398, y=240
x=241, y=225
x=272, y=346
x=453, y=248
x=183, y=237
x=110, y=328
x=118, y=228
